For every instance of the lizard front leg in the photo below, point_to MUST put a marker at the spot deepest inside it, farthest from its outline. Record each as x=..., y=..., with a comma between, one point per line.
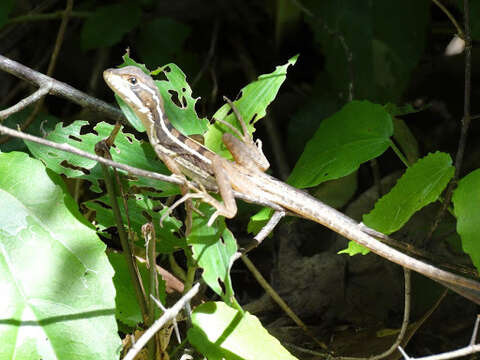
x=220, y=169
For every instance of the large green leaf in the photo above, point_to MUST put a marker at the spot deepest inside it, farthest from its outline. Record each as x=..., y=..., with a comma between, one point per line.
x=466, y=201
x=127, y=150
x=220, y=332
x=213, y=248
x=58, y=299
x=421, y=185
x=109, y=23
x=360, y=131
x=252, y=105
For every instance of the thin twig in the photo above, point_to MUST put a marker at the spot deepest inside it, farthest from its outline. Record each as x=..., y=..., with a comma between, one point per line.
x=51, y=67
x=61, y=89
x=148, y=231
x=341, y=40
x=22, y=104
x=278, y=300
x=475, y=331
x=465, y=123
x=128, y=251
x=467, y=350
x=157, y=325
x=451, y=17
x=172, y=284
x=51, y=16
x=403, y=329
x=73, y=150
x=211, y=53
x=262, y=234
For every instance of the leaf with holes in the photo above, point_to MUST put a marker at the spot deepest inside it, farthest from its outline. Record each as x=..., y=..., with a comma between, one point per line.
x=177, y=97
x=58, y=299
x=127, y=150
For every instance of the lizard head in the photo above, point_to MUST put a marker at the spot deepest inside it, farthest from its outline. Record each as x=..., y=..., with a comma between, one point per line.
x=134, y=87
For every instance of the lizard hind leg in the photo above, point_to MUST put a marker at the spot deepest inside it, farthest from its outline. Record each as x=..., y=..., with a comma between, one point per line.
x=244, y=150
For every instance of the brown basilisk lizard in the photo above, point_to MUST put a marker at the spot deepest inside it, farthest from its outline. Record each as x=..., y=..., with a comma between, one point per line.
x=187, y=157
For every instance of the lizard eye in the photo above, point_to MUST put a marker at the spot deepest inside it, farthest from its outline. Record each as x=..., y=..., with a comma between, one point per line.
x=132, y=80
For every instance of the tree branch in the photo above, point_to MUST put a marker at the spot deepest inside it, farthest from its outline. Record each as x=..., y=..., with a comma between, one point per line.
x=61, y=89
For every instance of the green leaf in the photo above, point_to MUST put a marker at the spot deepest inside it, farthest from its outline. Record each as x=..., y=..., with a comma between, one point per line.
x=58, y=299
x=466, y=202
x=127, y=150
x=337, y=193
x=259, y=220
x=220, y=332
x=400, y=110
x=179, y=103
x=213, y=248
x=168, y=37
x=353, y=249
x=6, y=7
x=360, y=131
x=137, y=207
x=108, y=24
x=252, y=105
x=383, y=55
x=127, y=309
x=421, y=185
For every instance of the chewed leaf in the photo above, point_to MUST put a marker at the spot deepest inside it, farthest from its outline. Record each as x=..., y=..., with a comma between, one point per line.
x=177, y=97
x=127, y=150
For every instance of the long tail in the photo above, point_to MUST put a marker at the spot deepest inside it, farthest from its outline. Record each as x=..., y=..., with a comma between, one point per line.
x=311, y=208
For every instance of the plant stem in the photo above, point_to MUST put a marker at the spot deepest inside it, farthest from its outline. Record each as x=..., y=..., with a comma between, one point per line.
x=399, y=154
x=127, y=251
